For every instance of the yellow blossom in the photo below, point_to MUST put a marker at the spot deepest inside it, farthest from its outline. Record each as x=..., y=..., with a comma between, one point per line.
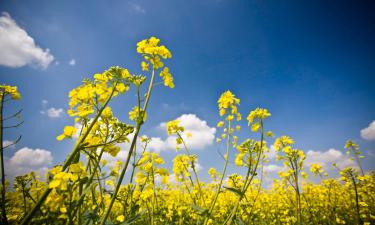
x=69, y=131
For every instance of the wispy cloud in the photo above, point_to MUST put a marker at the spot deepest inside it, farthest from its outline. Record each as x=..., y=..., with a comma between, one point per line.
x=18, y=48
x=137, y=8
x=51, y=112
x=72, y=62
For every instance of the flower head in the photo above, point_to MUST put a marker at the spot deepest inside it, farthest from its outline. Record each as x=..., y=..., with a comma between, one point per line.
x=10, y=90
x=69, y=131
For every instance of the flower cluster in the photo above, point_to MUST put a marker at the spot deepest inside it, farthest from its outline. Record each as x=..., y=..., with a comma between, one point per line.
x=256, y=117
x=11, y=91
x=228, y=105
x=152, y=52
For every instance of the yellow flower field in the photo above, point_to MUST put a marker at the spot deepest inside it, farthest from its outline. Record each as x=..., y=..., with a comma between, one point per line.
x=139, y=190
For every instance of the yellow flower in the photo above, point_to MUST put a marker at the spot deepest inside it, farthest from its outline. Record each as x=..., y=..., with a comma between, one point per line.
x=351, y=144
x=63, y=210
x=239, y=159
x=316, y=168
x=107, y=112
x=151, y=47
x=255, y=127
x=136, y=112
x=212, y=172
x=112, y=150
x=122, y=87
x=173, y=127
x=282, y=142
x=144, y=66
x=269, y=134
x=229, y=118
x=69, y=131
x=10, y=90
x=220, y=124
x=120, y=218
x=110, y=183
x=227, y=99
x=258, y=113
x=167, y=77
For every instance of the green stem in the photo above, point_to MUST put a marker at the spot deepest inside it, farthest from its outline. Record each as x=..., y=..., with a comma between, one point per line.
x=88, y=186
x=194, y=170
x=298, y=195
x=359, y=219
x=67, y=163
x=247, y=180
x=134, y=141
x=226, y=158
x=3, y=188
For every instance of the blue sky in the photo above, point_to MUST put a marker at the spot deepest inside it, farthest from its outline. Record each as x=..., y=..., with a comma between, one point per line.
x=311, y=63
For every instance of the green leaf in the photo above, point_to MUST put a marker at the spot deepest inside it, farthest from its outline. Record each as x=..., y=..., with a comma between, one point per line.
x=235, y=191
x=133, y=219
x=200, y=210
x=76, y=158
x=83, y=180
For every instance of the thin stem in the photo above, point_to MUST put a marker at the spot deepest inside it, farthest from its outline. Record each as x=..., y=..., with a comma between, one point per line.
x=359, y=219
x=3, y=188
x=194, y=170
x=222, y=177
x=138, y=127
x=248, y=180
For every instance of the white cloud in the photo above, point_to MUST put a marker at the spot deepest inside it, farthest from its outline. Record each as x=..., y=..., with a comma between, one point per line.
x=157, y=144
x=271, y=154
x=54, y=113
x=328, y=157
x=202, y=135
x=72, y=62
x=26, y=160
x=137, y=8
x=51, y=112
x=272, y=168
x=368, y=133
x=18, y=48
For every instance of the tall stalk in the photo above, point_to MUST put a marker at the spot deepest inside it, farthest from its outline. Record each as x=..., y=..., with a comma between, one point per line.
x=248, y=179
x=298, y=197
x=4, y=219
x=352, y=178
x=194, y=170
x=226, y=158
x=134, y=141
